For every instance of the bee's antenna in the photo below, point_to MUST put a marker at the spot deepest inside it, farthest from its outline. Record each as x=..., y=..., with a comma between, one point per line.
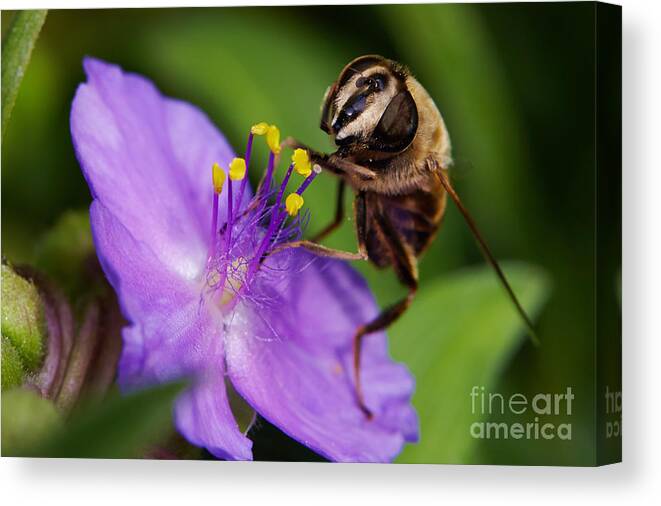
x=489, y=256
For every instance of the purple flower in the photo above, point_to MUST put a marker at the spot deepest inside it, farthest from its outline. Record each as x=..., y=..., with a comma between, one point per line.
x=187, y=268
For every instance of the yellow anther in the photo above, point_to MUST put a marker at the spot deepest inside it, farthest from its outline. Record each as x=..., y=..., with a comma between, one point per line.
x=302, y=163
x=272, y=133
x=273, y=139
x=294, y=203
x=218, y=176
x=237, y=169
x=260, y=128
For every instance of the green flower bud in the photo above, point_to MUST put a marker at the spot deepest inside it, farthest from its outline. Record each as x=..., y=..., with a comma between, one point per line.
x=12, y=365
x=23, y=327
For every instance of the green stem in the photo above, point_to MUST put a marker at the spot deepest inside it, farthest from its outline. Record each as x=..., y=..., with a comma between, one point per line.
x=16, y=51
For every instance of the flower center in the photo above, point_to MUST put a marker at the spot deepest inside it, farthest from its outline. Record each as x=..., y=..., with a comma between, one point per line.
x=249, y=232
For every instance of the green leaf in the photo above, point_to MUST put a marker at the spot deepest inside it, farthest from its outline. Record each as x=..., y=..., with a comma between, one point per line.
x=16, y=51
x=23, y=321
x=119, y=427
x=27, y=419
x=460, y=332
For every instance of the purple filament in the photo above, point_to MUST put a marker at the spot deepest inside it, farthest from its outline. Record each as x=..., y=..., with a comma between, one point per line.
x=245, y=179
x=250, y=243
x=214, y=228
x=274, y=223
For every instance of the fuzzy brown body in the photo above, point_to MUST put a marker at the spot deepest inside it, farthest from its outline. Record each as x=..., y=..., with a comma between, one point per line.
x=415, y=216
x=407, y=191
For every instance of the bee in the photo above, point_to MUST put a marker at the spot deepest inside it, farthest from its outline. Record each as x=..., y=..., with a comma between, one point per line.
x=394, y=151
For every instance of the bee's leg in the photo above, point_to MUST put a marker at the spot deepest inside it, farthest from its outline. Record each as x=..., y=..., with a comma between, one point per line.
x=315, y=156
x=339, y=214
x=321, y=250
x=292, y=143
x=406, y=267
x=341, y=166
x=332, y=163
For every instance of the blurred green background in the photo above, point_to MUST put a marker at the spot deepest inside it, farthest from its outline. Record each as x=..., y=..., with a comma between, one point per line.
x=515, y=84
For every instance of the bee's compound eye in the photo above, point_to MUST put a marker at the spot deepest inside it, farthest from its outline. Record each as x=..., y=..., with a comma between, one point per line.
x=398, y=124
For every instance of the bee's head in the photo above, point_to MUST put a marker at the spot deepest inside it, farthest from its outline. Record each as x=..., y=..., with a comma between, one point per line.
x=370, y=104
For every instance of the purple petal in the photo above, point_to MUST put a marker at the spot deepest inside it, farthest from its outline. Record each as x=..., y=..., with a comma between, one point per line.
x=155, y=300
x=203, y=416
x=173, y=335
x=148, y=159
x=291, y=360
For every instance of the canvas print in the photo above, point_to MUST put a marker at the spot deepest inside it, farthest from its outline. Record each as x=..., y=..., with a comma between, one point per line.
x=385, y=233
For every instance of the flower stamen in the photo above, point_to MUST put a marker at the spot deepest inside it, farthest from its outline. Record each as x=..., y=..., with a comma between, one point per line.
x=237, y=172
x=272, y=133
x=253, y=242
x=294, y=203
x=245, y=179
x=259, y=128
x=302, y=163
x=218, y=179
x=308, y=180
x=237, y=169
x=273, y=139
x=263, y=191
x=275, y=221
